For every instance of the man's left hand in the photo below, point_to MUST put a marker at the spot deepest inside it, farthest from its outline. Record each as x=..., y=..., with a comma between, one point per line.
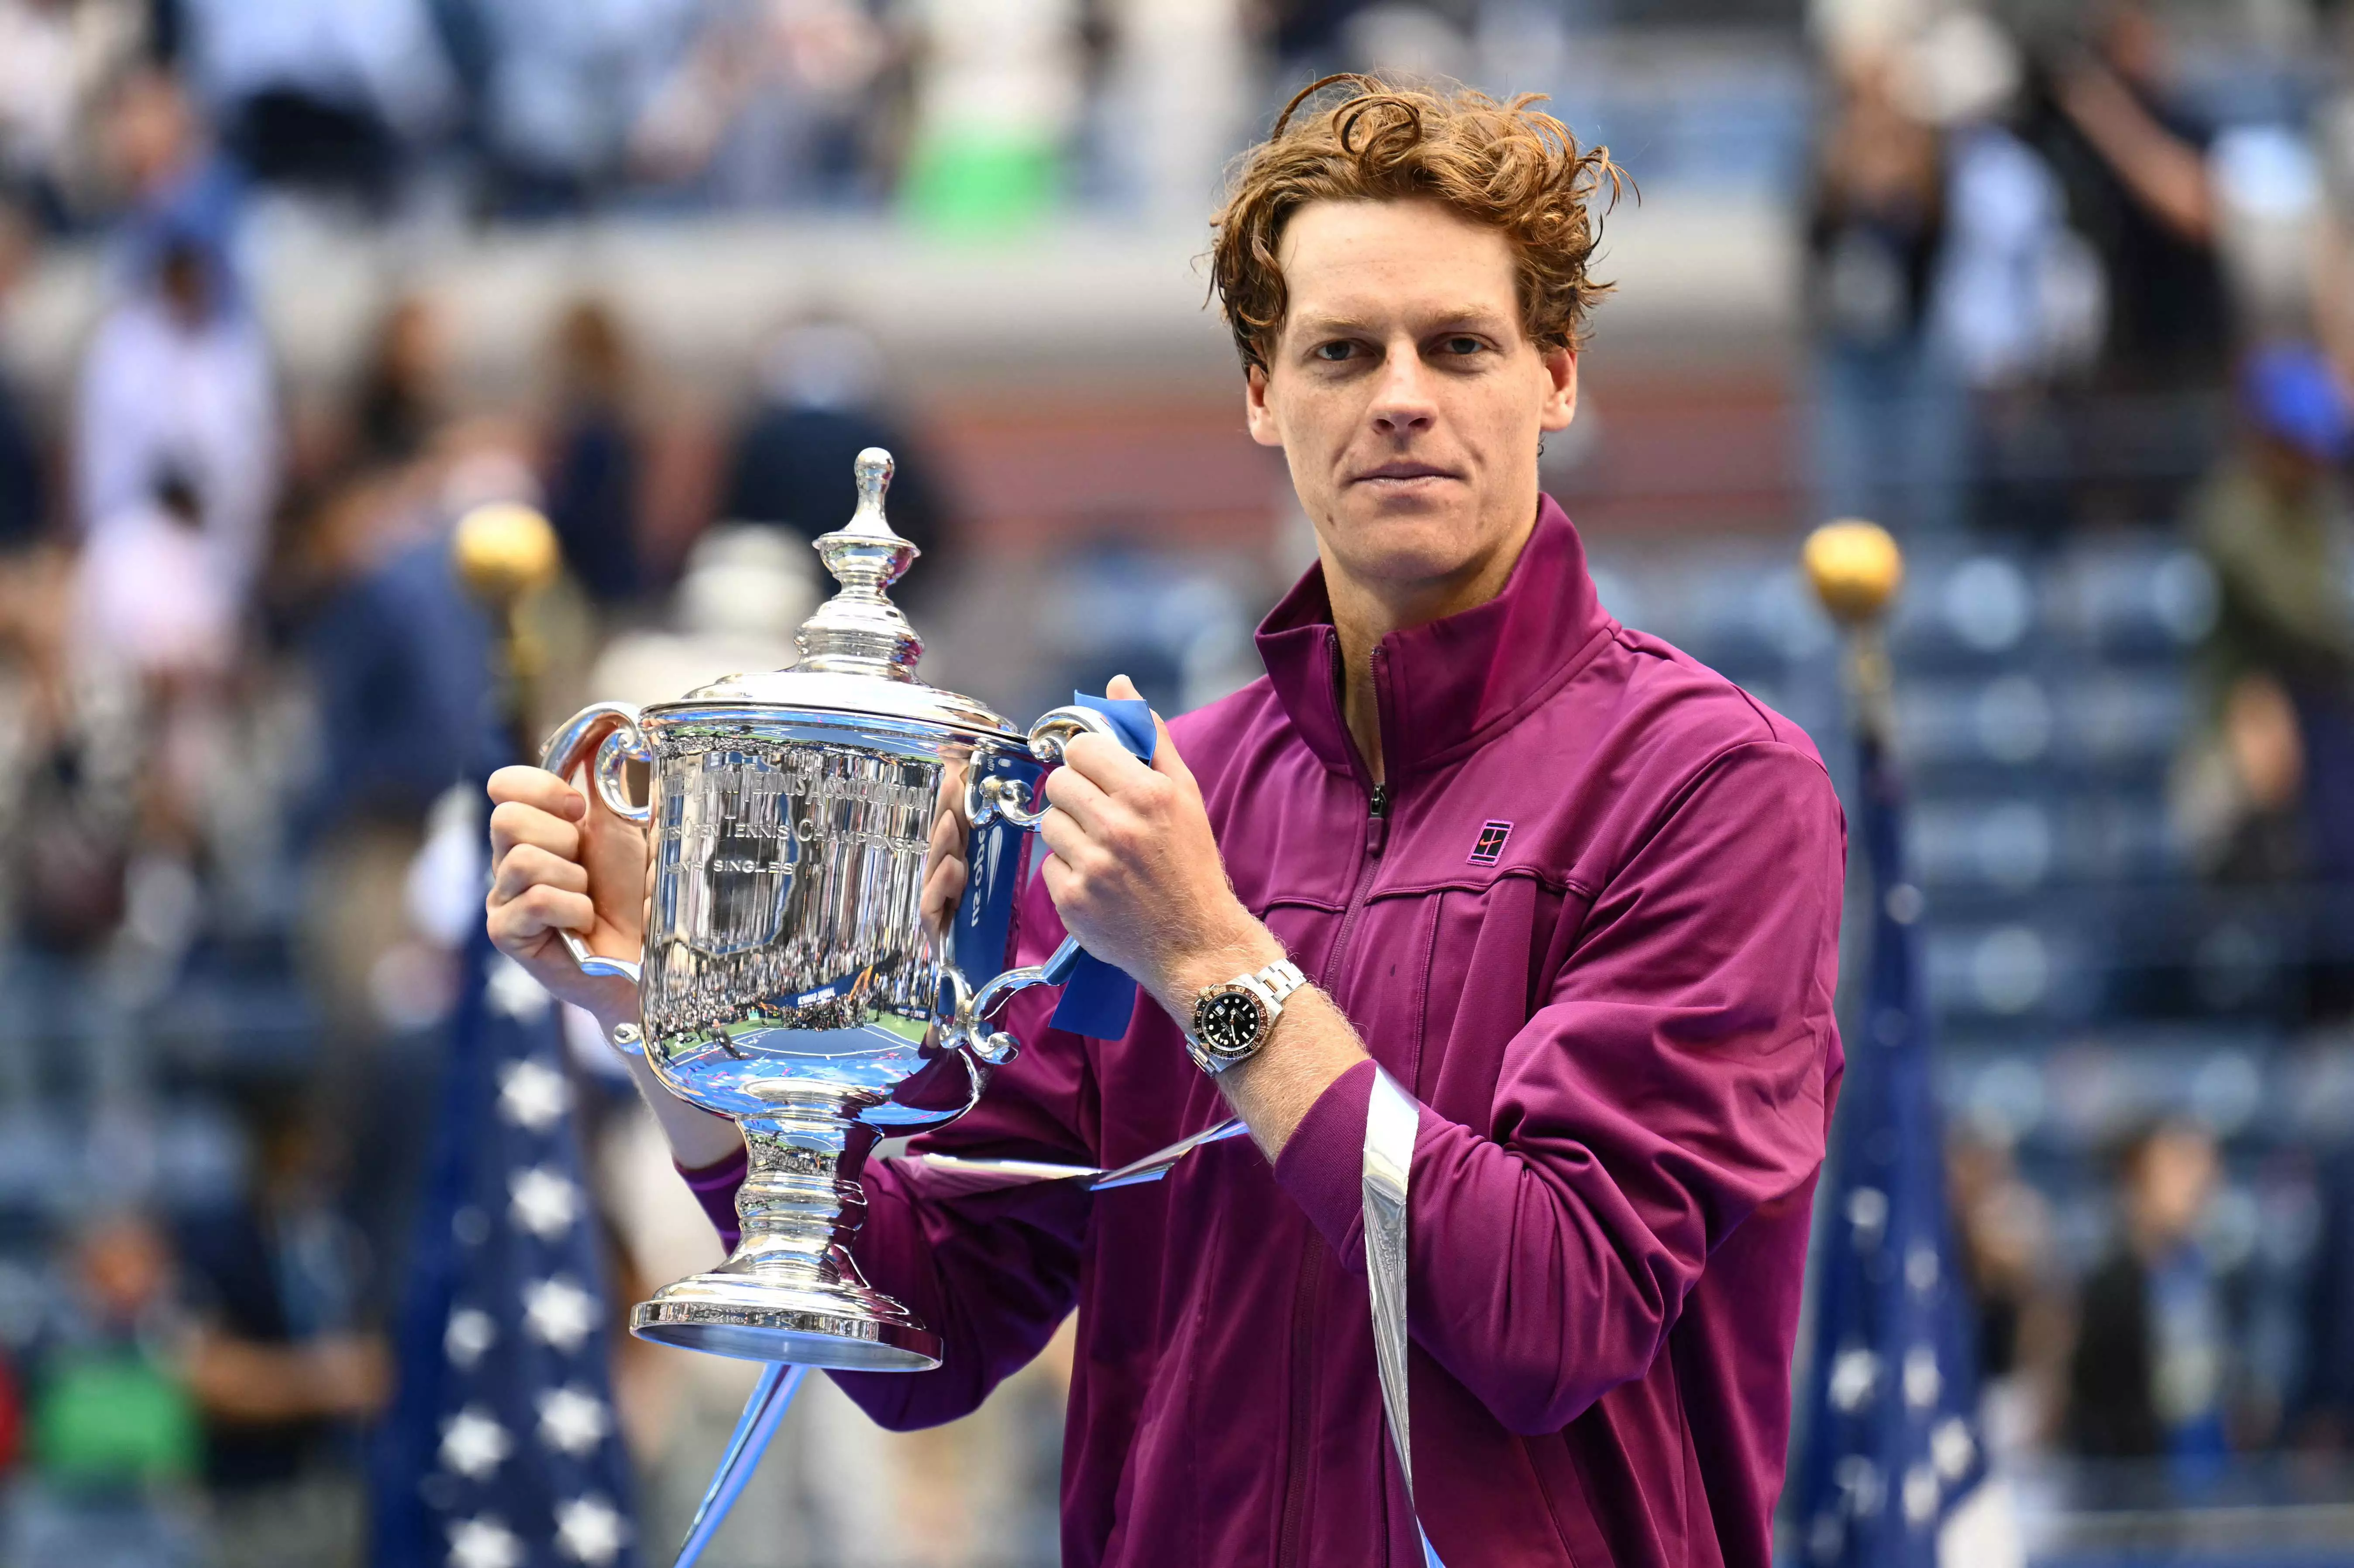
x=1135, y=872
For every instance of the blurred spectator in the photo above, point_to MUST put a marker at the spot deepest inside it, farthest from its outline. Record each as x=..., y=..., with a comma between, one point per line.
x=2133, y=157
x=1182, y=78
x=155, y=611
x=2266, y=789
x=115, y=1440
x=566, y=83
x=2157, y=1323
x=400, y=656
x=56, y=60
x=1888, y=416
x=997, y=97
x=23, y=493
x=2005, y=1230
x=2019, y=297
x=150, y=596
x=745, y=592
x=279, y=1359
x=323, y=95
x=773, y=102
x=2327, y=1410
x=820, y=386
x=400, y=403
x=596, y=458
x=169, y=181
x=178, y=379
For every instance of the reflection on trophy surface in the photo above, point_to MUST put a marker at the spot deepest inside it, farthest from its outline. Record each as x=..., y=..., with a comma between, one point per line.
x=788, y=980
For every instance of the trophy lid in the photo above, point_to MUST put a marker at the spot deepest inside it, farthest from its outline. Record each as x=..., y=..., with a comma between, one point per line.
x=858, y=651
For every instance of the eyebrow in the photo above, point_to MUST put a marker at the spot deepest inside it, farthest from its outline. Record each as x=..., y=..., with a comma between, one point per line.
x=1320, y=322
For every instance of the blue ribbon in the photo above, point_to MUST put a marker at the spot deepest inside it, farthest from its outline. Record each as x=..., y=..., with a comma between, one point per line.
x=1099, y=999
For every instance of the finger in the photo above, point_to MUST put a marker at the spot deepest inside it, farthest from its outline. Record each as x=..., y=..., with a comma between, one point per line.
x=947, y=838
x=1166, y=759
x=1071, y=791
x=1060, y=879
x=1111, y=766
x=538, y=787
x=952, y=801
x=516, y=824
x=943, y=890
x=539, y=910
x=529, y=866
x=1064, y=838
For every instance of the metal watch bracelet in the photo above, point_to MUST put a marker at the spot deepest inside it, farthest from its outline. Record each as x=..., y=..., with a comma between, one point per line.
x=1269, y=988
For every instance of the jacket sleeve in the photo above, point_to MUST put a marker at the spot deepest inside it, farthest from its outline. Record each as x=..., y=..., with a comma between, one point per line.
x=993, y=1274
x=1673, y=1080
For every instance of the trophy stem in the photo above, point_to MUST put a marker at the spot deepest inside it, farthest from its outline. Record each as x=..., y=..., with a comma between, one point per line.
x=800, y=1205
x=791, y=1291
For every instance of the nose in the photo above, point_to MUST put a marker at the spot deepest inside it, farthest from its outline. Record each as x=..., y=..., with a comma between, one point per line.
x=1402, y=401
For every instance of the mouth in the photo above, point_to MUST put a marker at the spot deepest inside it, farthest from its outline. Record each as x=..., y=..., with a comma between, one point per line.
x=1401, y=473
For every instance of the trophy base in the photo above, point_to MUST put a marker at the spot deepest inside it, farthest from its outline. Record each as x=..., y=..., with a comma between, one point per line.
x=821, y=1324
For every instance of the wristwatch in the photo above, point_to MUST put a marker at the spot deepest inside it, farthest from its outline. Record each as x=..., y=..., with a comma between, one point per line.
x=1231, y=1021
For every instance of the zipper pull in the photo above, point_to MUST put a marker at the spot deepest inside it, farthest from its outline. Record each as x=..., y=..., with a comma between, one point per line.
x=1378, y=819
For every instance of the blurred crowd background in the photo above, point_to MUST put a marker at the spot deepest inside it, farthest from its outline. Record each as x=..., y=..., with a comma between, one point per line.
x=2061, y=293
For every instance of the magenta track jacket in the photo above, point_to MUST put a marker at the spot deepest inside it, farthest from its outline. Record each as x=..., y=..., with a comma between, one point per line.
x=1595, y=936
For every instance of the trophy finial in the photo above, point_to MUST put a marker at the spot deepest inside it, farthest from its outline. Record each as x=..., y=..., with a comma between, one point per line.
x=874, y=469
x=859, y=631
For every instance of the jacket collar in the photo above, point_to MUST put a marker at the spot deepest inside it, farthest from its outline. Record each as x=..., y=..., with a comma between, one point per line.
x=1447, y=687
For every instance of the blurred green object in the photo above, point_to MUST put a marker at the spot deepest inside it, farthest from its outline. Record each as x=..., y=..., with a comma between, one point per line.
x=983, y=183
x=111, y=1418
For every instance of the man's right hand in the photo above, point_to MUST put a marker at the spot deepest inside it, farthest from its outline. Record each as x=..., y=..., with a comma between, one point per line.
x=559, y=864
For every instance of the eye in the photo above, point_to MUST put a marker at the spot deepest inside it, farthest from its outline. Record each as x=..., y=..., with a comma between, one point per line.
x=1335, y=352
x=1463, y=343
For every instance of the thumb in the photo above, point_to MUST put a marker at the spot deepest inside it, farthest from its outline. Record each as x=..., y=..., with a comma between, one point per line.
x=1166, y=759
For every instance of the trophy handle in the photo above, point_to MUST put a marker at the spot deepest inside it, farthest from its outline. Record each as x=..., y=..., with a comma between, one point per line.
x=613, y=729
x=990, y=800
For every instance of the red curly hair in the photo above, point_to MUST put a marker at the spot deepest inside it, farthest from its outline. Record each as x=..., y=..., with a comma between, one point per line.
x=1505, y=165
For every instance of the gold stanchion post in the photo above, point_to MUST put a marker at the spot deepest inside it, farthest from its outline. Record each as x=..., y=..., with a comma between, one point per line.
x=506, y=552
x=1856, y=570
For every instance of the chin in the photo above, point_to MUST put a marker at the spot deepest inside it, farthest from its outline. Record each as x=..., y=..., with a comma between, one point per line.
x=1395, y=542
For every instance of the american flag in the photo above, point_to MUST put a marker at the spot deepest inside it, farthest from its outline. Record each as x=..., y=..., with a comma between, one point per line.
x=502, y=1449
x=1893, y=1444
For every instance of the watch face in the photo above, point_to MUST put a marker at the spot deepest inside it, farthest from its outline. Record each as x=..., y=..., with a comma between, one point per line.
x=1228, y=1022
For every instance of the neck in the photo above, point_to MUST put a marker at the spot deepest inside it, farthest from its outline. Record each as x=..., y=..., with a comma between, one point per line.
x=1366, y=610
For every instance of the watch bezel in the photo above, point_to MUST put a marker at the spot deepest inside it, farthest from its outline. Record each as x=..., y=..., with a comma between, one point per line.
x=1259, y=1036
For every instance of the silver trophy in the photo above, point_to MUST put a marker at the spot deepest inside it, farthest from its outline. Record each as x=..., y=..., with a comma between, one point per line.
x=788, y=979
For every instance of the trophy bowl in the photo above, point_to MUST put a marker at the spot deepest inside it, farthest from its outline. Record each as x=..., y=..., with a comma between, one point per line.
x=788, y=979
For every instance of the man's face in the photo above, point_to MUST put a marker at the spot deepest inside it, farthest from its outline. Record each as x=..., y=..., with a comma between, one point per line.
x=1406, y=398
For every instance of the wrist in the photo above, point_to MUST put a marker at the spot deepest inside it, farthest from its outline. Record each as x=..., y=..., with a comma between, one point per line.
x=1244, y=947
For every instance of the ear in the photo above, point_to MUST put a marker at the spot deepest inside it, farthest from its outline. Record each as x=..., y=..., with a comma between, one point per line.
x=1559, y=406
x=1255, y=412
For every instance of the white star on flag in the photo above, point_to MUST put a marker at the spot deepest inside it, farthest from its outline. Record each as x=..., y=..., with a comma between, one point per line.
x=511, y=992
x=1950, y=1447
x=470, y=1333
x=473, y=1443
x=589, y=1530
x=545, y=1202
x=1920, y=1495
x=483, y=1543
x=572, y=1420
x=558, y=1313
x=1854, y=1375
x=1922, y=1381
x=532, y=1095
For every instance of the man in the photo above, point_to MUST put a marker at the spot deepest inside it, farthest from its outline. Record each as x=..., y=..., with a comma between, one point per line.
x=1577, y=893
